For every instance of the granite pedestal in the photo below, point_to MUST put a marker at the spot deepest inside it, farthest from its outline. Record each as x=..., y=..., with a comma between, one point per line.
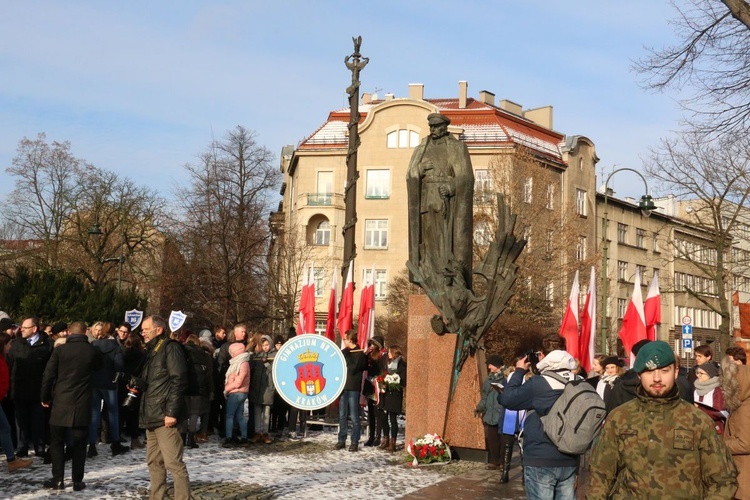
x=429, y=409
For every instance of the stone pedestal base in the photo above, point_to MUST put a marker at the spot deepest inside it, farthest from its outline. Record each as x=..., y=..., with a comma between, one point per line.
x=429, y=371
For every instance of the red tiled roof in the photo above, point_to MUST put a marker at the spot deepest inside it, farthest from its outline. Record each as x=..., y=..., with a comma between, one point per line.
x=482, y=124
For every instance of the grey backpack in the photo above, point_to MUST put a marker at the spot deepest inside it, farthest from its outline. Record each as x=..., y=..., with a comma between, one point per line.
x=576, y=417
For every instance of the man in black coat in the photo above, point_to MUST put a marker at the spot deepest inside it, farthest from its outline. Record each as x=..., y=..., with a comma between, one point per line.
x=165, y=379
x=66, y=387
x=356, y=364
x=27, y=359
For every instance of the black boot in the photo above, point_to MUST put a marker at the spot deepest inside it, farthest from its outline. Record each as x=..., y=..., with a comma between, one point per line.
x=118, y=449
x=507, y=446
x=190, y=440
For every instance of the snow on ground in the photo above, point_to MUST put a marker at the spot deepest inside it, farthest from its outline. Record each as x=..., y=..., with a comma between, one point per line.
x=309, y=468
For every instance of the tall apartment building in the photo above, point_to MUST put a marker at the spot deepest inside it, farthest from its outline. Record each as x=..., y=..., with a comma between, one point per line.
x=312, y=208
x=658, y=243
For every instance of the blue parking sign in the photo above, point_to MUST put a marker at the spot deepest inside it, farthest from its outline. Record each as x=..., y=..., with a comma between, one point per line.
x=687, y=344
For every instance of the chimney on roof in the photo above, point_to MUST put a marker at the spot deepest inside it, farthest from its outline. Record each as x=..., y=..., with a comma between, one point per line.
x=389, y=96
x=366, y=98
x=463, y=88
x=416, y=91
x=541, y=116
x=487, y=97
x=511, y=107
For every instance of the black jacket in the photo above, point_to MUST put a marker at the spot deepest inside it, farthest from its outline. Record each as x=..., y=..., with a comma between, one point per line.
x=26, y=365
x=67, y=382
x=356, y=364
x=166, y=377
x=393, y=400
x=112, y=362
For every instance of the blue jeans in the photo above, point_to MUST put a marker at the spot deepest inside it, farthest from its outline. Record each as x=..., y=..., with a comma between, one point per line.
x=547, y=483
x=349, y=407
x=5, y=440
x=236, y=409
x=109, y=396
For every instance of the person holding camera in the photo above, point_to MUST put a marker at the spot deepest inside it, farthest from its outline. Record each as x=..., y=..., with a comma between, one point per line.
x=548, y=473
x=105, y=382
x=163, y=382
x=66, y=387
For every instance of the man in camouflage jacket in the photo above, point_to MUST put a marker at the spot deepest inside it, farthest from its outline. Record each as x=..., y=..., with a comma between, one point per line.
x=657, y=445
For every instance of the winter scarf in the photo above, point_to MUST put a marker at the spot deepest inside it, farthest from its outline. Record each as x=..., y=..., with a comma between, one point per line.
x=703, y=388
x=609, y=379
x=393, y=365
x=234, y=364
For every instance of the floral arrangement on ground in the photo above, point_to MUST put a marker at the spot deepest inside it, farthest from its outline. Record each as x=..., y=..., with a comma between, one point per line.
x=428, y=450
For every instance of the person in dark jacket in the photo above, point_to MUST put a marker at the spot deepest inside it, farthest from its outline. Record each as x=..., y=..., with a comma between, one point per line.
x=375, y=352
x=262, y=389
x=164, y=378
x=105, y=390
x=198, y=400
x=393, y=397
x=356, y=364
x=548, y=473
x=491, y=411
x=6, y=441
x=66, y=387
x=133, y=357
x=27, y=359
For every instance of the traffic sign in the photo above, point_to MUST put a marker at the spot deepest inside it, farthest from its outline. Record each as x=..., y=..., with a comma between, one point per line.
x=687, y=345
x=687, y=330
x=687, y=320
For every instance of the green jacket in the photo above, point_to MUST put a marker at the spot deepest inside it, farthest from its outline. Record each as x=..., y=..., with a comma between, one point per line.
x=489, y=406
x=657, y=448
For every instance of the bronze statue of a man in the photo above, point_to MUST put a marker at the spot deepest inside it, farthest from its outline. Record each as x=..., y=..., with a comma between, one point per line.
x=440, y=187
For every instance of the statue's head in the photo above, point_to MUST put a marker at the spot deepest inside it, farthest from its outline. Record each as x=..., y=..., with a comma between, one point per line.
x=438, y=125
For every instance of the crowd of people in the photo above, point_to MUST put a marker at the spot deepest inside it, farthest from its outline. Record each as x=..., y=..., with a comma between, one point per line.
x=68, y=389
x=668, y=432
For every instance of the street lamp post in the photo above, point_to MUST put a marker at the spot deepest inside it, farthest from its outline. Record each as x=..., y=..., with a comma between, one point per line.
x=646, y=204
x=96, y=232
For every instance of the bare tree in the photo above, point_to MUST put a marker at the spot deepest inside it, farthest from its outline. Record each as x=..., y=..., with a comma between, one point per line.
x=128, y=217
x=40, y=203
x=711, y=58
x=715, y=176
x=556, y=245
x=289, y=258
x=224, y=230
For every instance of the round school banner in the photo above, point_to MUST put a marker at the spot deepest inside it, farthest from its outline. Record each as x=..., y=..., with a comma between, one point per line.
x=309, y=372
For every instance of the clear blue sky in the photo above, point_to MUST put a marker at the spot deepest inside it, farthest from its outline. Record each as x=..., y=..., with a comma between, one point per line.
x=140, y=87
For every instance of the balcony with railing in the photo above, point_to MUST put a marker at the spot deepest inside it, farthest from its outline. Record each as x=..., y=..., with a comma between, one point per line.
x=333, y=200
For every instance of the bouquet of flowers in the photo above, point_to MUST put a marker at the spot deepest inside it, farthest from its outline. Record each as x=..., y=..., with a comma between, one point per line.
x=429, y=450
x=392, y=382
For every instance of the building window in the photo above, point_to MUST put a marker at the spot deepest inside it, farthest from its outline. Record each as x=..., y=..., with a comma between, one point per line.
x=528, y=186
x=376, y=234
x=549, y=293
x=381, y=282
x=581, y=205
x=642, y=271
x=622, y=233
x=318, y=277
x=482, y=233
x=527, y=236
x=622, y=306
x=679, y=282
x=378, y=184
x=403, y=138
x=323, y=233
x=550, y=239
x=656, y=243
x=581, y=248
x=640, y=238
x=482, y=186
x=622, y=270
x=550, y=201
x=320, y=327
